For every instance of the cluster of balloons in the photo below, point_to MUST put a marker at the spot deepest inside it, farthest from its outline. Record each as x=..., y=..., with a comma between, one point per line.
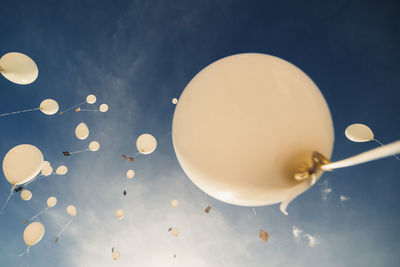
x=90, y=99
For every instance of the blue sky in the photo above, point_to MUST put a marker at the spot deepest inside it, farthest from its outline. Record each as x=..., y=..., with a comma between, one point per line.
x=136, y=56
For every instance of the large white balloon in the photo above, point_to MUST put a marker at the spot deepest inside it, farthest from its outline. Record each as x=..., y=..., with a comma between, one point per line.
x=51, y=202
x=119, y=214
x=49, y=107
x=18, y=68
x=244, y=125
x=61, y=170
x=358, y=132
x=22, y=163
x=130, y=174
x=94, y=146
x=82, y=131
x=71, y=210
x=26, y=195
x=91, y=99
x=33, y=233
x=103, y=108
x=146, y=143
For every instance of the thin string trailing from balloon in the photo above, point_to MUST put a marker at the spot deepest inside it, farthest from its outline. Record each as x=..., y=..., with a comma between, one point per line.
x=257, y=218
x=80, y=104
x=95, y=110
x=25, y=252
x=21, y=111
x=79, y=151
x=37, y=215
x=9, y=196
x=34, y=179
x=376, y=140
x=63, y=229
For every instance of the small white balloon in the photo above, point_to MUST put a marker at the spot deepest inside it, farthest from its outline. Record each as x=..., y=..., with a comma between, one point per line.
x=174, y=203
x=33, y=233
x=71, y=210
x=49, y=107
x=94, y=146
x=51, y=202
x=358, y=132
x=175, y=232
x=46, y=171
x=103, y=108
x=130, y=174
x=174, y=101
x=91, y=99
x=116, y=255
x=146, y=144
x=18, y=68
x=26, y=195
x=120, y=214
x=82, y=131
x=45, y=164
x=61, y=170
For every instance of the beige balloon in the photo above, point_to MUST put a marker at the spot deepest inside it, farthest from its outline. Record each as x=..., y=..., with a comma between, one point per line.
x=103, y=108
x=358, y=132
x=49, y=107
x=46, y=171
x=120, y=214
x=174, y=101
x=94, y=146
x=18, y=68
x=33, y=233
x=146, y=144
x=51, y=202
x=91, y=99
x=174, y=203
x=22, y=163
x=244, y=125
x=71, y=210
x=82, y=131
x=61, y=170
x=130, y=174
x=26, y=195
x=116, y=255
x=175, y=232
x=45, y=164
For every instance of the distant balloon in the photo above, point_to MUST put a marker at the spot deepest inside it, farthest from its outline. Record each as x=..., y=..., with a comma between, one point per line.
x=358, y=132
x=33, y=233
x=82, y=131
x=61, y=170
x=91, y=99
x=94, y=146
x=45, y=164
x=130, y=174
x=18, y=68
x=120, y=214
x=146, y=144
x=49, y=107
x=22, y=163
x=245, y=123
x=116, y=255
x=26, y=195
x=47, y=170
x=51, y=202
x=175, y=232
x=71, y=210
x=174, y=101
x=174, y=203
x=103, y=108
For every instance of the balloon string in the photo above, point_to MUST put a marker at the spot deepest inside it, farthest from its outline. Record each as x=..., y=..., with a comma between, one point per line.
x=79, y=151
x=34, y=179
x=38, y=214
x=384, y=145
x=25, y=252
x=9, y=196
x=65, y=227
x=16, y=112
x=72, y=107
x=89, y=110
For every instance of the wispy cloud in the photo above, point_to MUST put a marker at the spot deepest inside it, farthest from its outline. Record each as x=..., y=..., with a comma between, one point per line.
x=312, y=240
x=343, y=198
x=296, y=232
x=325, y=190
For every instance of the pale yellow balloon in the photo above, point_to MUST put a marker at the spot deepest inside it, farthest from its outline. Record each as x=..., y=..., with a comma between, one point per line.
x=91, y=99
x=46, y=171
x=175, y=232
x=45, y=164
x=18, y=68
x=174, y=101
x=120, y=214
x=244, y=125
x=116, y=255
x=26, y=194
x=82, y=131
x=33, y=233
x=71, y=210
x=174, y=203
x=61, y=170
x=358, y=132
x=103, y=108
x=49, y=107
x=146, y=144
x=94, y=146
x=130, y=174
x=51, y=202
x=22, y=163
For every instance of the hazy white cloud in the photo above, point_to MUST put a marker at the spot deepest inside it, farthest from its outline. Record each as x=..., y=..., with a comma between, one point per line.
x=325, y=190
x=312, y=240
x=296, y=232
x=343, y=198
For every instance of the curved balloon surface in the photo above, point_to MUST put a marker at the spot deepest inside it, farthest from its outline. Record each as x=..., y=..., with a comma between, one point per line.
x=22, y=163
x=245, y=123
x=49, y=107
x=120, y=214
x=33, y=233
x=130, y=174
x=18, y=68
x=103, y=108
x=71, y=210
x=91, y=99
x=26, y=195
x=358, y=132
x=51, y=202
x=61, y=170
x=82, y=131
x=174, y=203
x=146, y=144
x=94, y=146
